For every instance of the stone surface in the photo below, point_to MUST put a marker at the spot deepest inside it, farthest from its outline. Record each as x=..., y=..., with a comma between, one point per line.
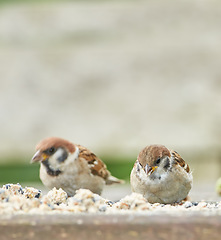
x=91, y=226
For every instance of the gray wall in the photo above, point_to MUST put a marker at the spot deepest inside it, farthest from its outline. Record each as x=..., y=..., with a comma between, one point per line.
x=113, y=75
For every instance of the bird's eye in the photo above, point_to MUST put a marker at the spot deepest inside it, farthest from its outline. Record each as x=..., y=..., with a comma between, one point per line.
x=51, y=150
x=158, y=161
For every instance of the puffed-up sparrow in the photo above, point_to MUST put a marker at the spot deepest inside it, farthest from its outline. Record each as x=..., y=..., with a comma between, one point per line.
x=161, y=175
x=71, y=166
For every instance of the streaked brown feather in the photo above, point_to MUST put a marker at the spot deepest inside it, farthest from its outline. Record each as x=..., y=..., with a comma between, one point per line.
x=178, y=160
x=97, y=167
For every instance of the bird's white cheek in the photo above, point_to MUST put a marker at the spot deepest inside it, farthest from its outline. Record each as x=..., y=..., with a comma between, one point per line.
x=58, y=154
x=72, y=157
x=71, y=161
x=54, y=164
x=140, y=173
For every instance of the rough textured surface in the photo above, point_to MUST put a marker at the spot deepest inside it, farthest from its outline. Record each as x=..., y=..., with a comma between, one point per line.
x=14, y=199
x=27, y=214
x=191, y=226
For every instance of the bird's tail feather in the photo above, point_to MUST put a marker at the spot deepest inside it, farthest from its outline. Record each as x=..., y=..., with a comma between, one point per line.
x=111, y=180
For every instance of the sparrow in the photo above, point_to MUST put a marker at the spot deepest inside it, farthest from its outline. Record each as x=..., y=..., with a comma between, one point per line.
x=161, y=175
x=71, y=166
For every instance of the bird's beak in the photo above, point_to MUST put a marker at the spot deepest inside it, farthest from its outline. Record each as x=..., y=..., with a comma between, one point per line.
x=39, y=157
x=148, y=170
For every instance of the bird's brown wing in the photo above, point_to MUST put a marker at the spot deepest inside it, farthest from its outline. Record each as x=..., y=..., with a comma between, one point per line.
x=178, y=160
x=97, y=167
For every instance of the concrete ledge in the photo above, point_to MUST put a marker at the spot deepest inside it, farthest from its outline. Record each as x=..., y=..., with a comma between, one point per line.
x=188, y=225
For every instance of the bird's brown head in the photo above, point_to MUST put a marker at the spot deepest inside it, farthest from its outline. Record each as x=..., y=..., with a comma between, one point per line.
x=47, y=147
x=152, y=156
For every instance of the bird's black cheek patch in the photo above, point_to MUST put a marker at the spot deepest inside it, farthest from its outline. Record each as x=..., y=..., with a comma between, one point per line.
x=167, y=164
x=138, y=167
x=63, y=157
x=49, y=170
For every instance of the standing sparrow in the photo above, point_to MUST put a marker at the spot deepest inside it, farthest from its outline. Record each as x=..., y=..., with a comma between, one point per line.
x=161, y=175
x=70, y=167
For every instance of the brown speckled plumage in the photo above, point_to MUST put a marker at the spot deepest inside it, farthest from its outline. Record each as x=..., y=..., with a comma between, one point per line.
x=71, y=166
x=178, y=160
x=161, y=175
x=96, y=166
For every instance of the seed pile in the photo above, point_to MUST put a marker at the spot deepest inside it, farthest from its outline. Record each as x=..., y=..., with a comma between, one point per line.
x=16, y=199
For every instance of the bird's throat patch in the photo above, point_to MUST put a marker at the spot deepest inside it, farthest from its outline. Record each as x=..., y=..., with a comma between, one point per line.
x=49, y=170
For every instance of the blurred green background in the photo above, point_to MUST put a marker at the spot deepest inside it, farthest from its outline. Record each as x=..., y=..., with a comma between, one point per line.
x=114, y=76
x=26, y=173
